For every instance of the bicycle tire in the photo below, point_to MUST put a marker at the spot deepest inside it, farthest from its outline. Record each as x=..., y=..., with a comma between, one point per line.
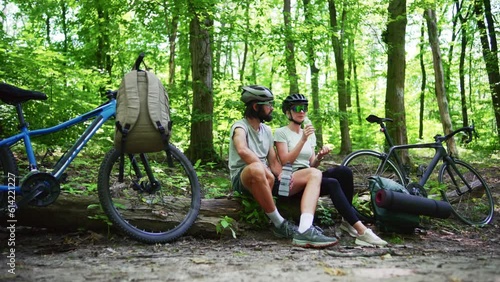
x=7, y=165
x=475, y=207
x=157, y=216
x=364, y=163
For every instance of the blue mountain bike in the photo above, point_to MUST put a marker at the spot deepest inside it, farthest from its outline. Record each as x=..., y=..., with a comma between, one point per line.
x=153, y=197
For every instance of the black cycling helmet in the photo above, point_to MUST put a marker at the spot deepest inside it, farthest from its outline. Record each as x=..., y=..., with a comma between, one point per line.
x=256, y=93
x=292, y=100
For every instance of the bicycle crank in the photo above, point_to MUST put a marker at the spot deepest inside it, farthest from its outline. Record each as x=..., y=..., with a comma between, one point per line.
x=416, y=189
x=39, y=189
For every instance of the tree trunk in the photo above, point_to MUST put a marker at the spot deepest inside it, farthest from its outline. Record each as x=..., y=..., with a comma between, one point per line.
x=311, y=59
x=430, y=16
x=355, y=77
x=103, y=48
x=461, y=67
x=290, y=49
x=337, y=43
x=490, y=50
x=201, y=146
x=396, y=67
x=172, y=41
x=423, y=84
x=246, y=43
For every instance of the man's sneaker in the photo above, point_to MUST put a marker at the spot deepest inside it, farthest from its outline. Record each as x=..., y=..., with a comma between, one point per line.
x=369, y=239
x=345, y=226
x=286, y=230
x=313, y=238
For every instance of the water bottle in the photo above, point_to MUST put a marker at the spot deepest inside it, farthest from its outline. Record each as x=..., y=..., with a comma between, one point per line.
x=312, y=137
x=286, y=176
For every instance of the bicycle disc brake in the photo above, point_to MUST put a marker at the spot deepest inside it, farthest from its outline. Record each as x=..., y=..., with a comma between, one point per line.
x=416, y=189
x=147, y=187
x=39, y=189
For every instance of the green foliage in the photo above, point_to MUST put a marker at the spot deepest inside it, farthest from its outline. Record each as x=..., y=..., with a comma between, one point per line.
x=252, y=213
x=226, y=223
x=75, y=50
x=324, y=214
x=98, y=214
x=214, y=183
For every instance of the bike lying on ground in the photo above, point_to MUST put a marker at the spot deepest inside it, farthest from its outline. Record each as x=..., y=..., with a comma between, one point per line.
x=153, y=197
x=459, y=183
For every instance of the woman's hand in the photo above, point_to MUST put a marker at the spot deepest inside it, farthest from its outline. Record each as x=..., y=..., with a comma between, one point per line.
x=307, y=131
x=323, y=152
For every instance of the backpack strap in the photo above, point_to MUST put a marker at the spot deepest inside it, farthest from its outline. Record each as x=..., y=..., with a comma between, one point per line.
x=129, y=114
x=156, y=95
x=133, y=103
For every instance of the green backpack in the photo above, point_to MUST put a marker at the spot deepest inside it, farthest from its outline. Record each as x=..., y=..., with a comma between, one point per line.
x=142, y=114
x=390, y=220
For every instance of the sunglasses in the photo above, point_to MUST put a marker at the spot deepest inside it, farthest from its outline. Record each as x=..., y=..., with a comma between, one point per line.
x=299, y=108
x=269, y=103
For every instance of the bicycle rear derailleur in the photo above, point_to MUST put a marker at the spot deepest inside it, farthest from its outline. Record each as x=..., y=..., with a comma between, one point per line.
x=39, y=189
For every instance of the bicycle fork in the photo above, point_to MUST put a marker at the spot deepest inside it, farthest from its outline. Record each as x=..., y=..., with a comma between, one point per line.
x=451, y=168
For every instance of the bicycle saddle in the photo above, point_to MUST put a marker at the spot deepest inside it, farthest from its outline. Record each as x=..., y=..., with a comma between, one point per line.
x=373, y=118
x=14, y=95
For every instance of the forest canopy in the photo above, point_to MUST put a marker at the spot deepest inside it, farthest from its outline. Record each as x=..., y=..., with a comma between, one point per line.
x=337, y=53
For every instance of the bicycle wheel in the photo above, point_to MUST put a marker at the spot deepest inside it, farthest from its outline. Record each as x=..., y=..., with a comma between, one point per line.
x=366, y=163
x=474, y=206
x=9, y=171
x=152, y=206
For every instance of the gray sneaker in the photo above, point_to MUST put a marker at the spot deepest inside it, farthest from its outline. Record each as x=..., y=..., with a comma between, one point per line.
x=286, y=230
x=313, y=238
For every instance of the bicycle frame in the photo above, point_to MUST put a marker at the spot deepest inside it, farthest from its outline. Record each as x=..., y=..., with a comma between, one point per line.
x=439, y=155
x=100, y=115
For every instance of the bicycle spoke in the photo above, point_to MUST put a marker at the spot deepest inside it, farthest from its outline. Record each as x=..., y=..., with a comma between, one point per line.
x=156, y=201
x=467, y=193
x=366, y=163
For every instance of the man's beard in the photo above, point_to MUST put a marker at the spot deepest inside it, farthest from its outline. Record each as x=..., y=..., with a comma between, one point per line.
x=263, y=116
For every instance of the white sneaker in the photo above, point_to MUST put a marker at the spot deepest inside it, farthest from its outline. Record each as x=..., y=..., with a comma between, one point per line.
x=369, y=239
x=345, y=226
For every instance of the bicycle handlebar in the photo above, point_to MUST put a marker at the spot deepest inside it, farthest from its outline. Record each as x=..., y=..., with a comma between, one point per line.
x=111, y=94
x=438, y=138
x=138, y=61
x=467, y=129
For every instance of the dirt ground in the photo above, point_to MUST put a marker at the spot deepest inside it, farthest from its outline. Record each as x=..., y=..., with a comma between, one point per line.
x=443, y=252
x=444, y=255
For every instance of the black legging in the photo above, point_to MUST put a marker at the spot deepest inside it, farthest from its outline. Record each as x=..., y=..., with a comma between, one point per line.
x=337, y=182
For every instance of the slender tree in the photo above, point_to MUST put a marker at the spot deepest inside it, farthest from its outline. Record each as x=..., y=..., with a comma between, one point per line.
x=311, y=59
x=461, y=67
x=172, y=23
x=290, y=48
x=201, y=146
x=430, y=16
x=489, y=46
x=423, y=83
x=338, y=50
x=394, y=37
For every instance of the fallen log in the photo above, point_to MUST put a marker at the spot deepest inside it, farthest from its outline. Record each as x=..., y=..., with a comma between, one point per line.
x=477, y=192
x=73, y=212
